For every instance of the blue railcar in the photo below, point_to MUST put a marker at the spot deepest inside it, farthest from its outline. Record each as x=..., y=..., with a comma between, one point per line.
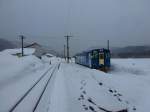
x=96, y=58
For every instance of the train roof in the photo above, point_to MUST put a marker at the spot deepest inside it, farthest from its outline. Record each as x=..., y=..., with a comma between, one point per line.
x=87, y=51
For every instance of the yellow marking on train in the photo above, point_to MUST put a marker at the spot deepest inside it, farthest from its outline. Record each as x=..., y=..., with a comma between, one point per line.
x=101, y=61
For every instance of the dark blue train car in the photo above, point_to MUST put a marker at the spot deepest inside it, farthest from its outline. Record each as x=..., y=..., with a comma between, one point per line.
x=96, y=58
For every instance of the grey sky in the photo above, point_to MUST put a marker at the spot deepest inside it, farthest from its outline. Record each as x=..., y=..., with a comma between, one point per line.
x=91, y=22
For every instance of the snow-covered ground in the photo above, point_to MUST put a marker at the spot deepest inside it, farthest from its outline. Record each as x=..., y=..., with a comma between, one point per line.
x=132, y=78
x=73, y=88
x=80, y=89
x=17, y=75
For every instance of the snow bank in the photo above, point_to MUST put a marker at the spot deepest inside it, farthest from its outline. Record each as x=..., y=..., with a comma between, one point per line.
x=27, y=51
x=10, y=65
x=17, y=75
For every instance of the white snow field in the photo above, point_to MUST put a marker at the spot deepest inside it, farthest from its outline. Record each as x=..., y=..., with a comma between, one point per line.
x=80, y=89
x=72, y=87
x=17, y=76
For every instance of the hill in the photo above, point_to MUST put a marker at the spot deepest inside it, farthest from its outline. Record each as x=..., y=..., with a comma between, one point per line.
x=131, y=52
x=5, y=44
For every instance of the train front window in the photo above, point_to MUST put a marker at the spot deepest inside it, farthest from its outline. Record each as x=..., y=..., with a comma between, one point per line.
x=95, y=54
x=101, y=55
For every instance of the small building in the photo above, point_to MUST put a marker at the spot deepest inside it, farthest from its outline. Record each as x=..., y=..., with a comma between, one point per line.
x=39, y=51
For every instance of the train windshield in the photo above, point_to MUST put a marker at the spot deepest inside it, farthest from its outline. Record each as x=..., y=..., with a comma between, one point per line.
x=101, y=55
x=95, y=54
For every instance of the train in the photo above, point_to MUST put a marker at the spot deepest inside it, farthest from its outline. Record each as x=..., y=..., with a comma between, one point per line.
x=95, y=59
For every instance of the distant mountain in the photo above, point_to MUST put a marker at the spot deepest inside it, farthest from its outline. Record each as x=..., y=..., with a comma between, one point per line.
x=128, y=52
x=5, y=44
x=131, y=52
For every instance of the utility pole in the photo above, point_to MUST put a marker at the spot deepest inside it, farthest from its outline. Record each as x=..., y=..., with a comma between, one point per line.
x=22, y=38
x=67, y=39
x=65, y=52
x=108, y=44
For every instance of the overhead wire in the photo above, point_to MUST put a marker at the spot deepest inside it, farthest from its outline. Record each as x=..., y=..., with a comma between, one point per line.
x=68, y=16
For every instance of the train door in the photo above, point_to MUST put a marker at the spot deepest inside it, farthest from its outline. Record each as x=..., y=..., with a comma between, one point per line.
x=95, y=59
x=101, y=59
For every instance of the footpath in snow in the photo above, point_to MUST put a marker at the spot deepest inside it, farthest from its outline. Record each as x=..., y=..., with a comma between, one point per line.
x=76, y=89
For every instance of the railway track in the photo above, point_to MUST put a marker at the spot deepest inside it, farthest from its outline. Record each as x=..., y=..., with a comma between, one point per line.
x=45, y=75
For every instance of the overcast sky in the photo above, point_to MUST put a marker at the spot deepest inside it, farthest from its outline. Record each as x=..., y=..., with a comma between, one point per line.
x=91, y=22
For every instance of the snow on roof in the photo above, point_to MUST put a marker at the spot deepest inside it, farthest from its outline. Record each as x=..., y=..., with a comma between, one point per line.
x=27, y=51
x=32, y=45
x=48, y=54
